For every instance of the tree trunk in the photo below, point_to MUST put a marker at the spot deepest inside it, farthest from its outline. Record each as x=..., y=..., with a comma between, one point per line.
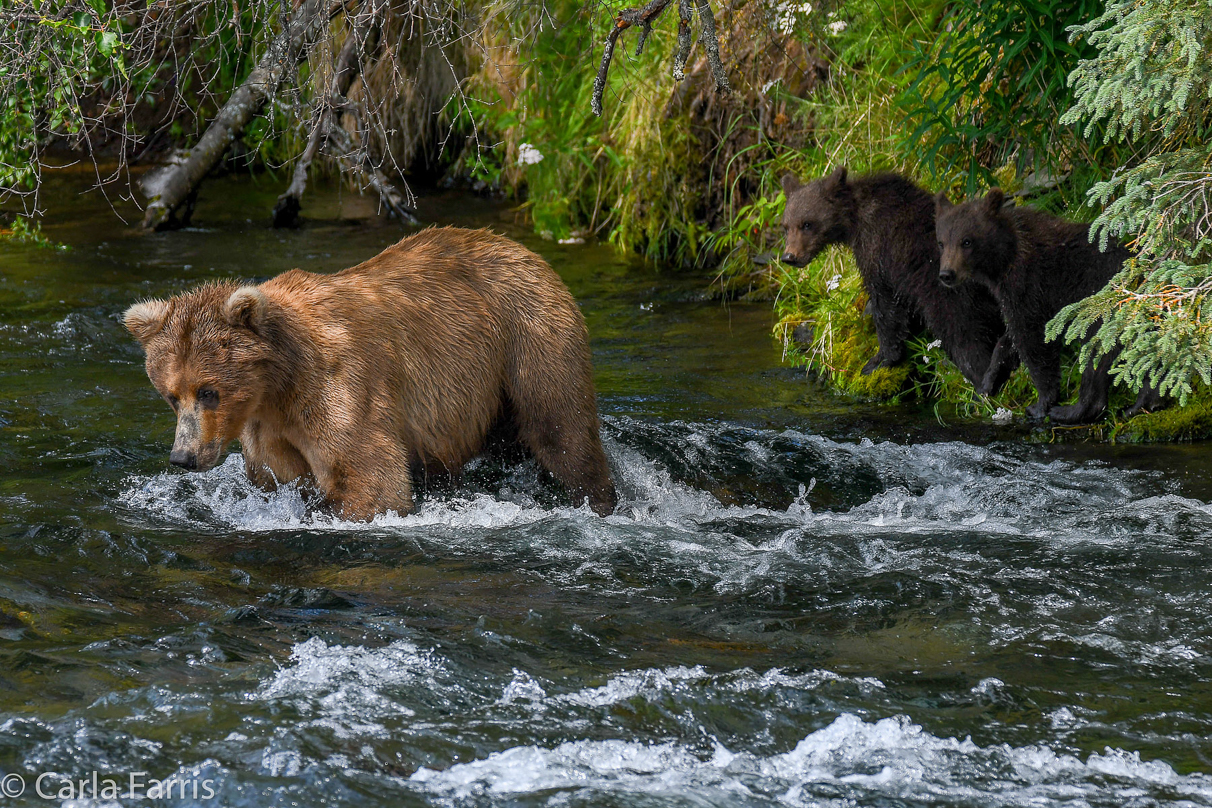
x=172, y=187
x=359, y=44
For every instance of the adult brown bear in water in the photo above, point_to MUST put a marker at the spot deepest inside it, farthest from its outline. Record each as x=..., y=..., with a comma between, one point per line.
x=353, y=382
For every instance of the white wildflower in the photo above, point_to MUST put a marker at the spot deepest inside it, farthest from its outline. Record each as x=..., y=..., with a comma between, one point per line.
x=938, y=343
x=836, y=27
x=766, y=87
x=787, y=14
x=529, y=155
x=833, y=282
x=1003, y=416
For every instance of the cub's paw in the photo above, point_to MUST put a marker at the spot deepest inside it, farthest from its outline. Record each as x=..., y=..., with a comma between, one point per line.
x=1038, y=411
x=1072, y=414
x=880, y=360
x=1149, y=400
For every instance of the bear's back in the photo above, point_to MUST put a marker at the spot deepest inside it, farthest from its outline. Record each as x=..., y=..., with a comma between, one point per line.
x=1056, y=255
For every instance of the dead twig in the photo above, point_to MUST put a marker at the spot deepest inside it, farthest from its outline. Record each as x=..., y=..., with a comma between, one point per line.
x=645, y=17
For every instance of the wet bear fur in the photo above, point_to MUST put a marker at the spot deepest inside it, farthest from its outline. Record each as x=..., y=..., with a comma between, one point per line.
x=888, y=223
x=1034, y=264
x=353, y=382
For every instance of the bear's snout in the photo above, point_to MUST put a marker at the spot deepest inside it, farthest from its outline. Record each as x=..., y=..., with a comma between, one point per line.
x=183, y=458
x=947, y=277
x=793, y=259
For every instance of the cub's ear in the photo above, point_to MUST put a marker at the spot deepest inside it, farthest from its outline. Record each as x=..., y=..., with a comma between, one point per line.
x=247, y=308
x=994, y=201
x=838, y=178
x=144, y=320
x=791, y=184
x=941, y=202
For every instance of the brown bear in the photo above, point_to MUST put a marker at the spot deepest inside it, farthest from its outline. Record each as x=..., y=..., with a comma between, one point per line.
x=352, y=383
x=1035, y=265
x=888, y=222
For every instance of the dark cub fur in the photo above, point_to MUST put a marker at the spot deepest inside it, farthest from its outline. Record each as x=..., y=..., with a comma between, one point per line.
x=888, y=222
x=1035, y=265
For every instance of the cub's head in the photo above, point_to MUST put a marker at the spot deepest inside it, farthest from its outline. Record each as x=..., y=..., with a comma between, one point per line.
x=976, y=238
x=206, y=354
x=817, y=214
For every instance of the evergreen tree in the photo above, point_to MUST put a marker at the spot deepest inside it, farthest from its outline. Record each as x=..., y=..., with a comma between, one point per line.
x=1150, y=87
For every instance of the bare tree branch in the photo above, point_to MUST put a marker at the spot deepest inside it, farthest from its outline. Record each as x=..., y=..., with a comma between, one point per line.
x=169, y=189
x=360, y=42
x=645, y=17
x=359, y=161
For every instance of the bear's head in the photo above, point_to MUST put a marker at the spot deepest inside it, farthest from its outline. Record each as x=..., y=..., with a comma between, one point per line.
x=975, y=238
x=207, y=352
x=817, y=214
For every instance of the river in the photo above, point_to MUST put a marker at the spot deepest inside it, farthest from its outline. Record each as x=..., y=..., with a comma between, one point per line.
x=800, y=601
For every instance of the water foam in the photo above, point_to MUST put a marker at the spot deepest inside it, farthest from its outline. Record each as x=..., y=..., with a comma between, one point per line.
x=846, y=762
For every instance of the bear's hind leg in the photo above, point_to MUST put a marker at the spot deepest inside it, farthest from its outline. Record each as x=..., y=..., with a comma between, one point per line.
x=1092, y=400
x=557, y=421
x=1147, y=400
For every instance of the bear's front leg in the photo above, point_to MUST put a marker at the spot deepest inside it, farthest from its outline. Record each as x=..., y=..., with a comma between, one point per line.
x=270, y=460
x=1001, y=365
x=1043, y=365
x=371, y=479
x=893, y=326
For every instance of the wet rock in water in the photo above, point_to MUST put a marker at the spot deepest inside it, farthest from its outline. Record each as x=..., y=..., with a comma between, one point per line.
x=802, y=334
x=242, y=614
x=304, y=598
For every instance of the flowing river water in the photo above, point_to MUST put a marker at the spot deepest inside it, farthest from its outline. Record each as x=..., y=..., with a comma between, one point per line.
x=800, y=601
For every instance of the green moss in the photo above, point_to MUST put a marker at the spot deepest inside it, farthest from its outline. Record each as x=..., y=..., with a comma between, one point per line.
x=1186, y=423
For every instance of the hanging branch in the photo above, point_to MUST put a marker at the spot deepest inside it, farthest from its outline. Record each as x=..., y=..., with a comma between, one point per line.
x=176, y=185
x=359, y=161
x=360, y=42
x=645, y=17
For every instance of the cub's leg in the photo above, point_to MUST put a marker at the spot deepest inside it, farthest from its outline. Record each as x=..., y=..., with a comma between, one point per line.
x=1001, y=365
x=1092, y=400
x=1043, y=364
x=1147, y=400
x=893, y=325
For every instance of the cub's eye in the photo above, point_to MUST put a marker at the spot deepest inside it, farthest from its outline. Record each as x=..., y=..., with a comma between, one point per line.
x=940, y=245
x=208, y=397
x=173, y=401
x=806, y=226
x=967, y=242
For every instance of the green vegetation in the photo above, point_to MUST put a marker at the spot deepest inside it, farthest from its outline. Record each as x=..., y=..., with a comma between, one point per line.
x=960, y=95
x=1094, y=110
x=1150, y=85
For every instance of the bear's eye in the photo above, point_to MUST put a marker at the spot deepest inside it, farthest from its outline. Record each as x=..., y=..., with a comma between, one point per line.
x=940, y=245
x=806, y=225
x=967, y=242
x=173, y=401
x=208, y=397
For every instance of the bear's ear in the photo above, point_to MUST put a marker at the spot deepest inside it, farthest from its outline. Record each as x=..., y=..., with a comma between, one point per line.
x=790, y=183
x=838, y=178
x=941, y=202
x=994, y=201
x=144, y=320
x=247, y=308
